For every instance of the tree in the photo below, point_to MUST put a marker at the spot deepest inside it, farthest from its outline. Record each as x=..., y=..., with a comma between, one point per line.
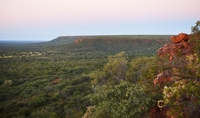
x=113, y=72
x=195, y=29
x=125, y=100
x=142, y=69
x=183, y=95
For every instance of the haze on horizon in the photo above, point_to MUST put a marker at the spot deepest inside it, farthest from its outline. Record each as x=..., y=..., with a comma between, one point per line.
x=48, y=19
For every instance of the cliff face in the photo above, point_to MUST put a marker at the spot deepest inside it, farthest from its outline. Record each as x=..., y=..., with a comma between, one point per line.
x=179, y=47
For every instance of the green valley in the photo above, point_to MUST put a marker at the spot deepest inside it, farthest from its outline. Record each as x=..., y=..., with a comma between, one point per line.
x=81, y=76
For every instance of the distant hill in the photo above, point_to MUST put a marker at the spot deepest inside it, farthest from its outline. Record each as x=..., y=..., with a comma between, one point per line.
x=59, y=40
x=134, y=44
x=55, y=42
x=25, y=45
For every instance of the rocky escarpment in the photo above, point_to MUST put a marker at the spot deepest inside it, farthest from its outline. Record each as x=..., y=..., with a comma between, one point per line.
x=179, y=47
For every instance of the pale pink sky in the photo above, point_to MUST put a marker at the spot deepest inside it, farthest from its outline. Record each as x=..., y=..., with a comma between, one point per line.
x=47, y=19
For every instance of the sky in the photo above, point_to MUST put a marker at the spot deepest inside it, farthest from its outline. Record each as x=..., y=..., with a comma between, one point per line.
x=48, y=19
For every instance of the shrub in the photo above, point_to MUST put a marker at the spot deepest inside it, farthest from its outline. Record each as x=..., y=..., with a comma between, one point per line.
x=125, y=100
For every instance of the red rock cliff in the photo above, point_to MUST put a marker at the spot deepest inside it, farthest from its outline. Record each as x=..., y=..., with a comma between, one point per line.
x=179, y=45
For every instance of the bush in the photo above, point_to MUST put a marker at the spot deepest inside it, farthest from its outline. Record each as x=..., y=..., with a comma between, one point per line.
x=125, y=100
x=24, y=111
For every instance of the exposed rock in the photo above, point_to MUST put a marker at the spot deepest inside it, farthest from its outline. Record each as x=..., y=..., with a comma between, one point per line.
x=163, y=77
x=56, y=80
x=78, y=40
x=179, y=46
x=156, y=112
x=181, y=37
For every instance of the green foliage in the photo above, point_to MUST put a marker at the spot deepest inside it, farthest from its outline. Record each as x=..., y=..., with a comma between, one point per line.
x=128, y=96
x=195, y=29
x=24, y=111
x=195, y=41
x=113, y=72
x=33, y=85
x=125, y=100
x=49, y=79
x=142, y=70
x=46, y=112
x=182, y=95
x=183, y=98
x=135, y=45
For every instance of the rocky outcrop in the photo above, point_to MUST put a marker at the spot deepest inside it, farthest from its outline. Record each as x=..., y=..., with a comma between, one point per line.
x=156, y=112
x=181, y=37
x=78, y=40
x=163, y=77
x=179, y=46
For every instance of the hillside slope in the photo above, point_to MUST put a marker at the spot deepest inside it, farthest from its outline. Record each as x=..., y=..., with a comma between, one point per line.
x=18, y=46
x=165, y=86
x=180, y=79
x=128, y=43
x=114, y=44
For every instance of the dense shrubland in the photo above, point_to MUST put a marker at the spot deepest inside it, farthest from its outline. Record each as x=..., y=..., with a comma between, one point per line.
x=42, y=87
x=120, y=88
x=74, y=81
x=51, y=81
x=126, y=90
